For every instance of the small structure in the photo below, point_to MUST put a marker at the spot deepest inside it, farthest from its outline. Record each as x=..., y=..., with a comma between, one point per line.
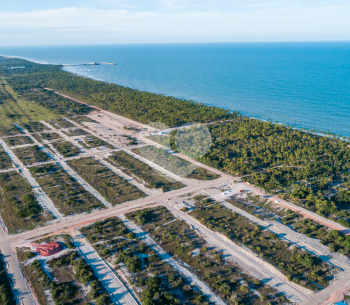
x=48, y=249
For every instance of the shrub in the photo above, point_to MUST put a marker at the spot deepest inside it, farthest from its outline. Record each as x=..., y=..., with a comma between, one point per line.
x=131, y=235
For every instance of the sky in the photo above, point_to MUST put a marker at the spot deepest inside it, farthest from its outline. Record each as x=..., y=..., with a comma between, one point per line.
x=64, y=22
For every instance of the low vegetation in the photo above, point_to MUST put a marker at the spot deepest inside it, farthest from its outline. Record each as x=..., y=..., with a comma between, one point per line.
x=60, y=123
x=65, y=192
x=66, y=149
x=112, y=187
x=299, y=266
x=143, y=172
x=10, y=130
x=154, y=281
x=174, y=164
x=51, y=136
x=31, y=154
x=34, y=126
x=5, y=160
x=225, y=278
x=16, y=109
x=94, y=142
x=80, y=119
x=65, y=280
x=15, y=141
x=6, y=294
x=75, y=132
x=18, y=207
x=335, y=240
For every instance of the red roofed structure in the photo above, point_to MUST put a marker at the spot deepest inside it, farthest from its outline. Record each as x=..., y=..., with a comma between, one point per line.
x=48, y=249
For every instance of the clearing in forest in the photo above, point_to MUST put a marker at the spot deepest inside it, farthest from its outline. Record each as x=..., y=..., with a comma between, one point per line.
x=19, y=208
x=14, y=109
x=68, y=195
x=113, y=188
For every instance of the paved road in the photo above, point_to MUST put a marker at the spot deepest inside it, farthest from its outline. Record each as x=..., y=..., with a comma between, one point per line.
x=113, y=285
x=168, y=259
x=246, y=262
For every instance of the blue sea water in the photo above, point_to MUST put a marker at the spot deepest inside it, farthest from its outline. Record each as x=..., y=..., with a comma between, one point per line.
x=300, y=84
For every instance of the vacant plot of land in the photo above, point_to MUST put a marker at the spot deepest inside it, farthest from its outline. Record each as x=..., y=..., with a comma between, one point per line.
x=31, y=154
x=18, y=207
x=336, y=241
x=10, y=130
x=112, y=187
x=80, y=119
x=225, y=278
x=5, y=160
x=34, y=126
x=150, y=176
x=174, y=164
x=60, y=123
x=67, y=279
x=50, y=136
x=116, y=244
x=94, y=142
x=75, y=132
x=67, y=194
x=14, y=109
x=299, y=266
x=66, y=149
x=15, y=141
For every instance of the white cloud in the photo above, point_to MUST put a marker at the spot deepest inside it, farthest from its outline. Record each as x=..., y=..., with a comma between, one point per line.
x=84, y=25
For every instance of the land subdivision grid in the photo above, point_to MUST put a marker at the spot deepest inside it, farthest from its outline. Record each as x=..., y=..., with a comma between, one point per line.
x=224, y=277
x=195, y=281
x=336, y=226
x=311, y=245
x=249, y=263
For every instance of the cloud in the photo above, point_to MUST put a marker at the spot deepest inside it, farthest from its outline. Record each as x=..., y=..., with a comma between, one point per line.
x=86, y=25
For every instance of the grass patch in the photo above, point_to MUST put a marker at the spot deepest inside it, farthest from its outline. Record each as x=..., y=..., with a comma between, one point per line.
x=15, y=109
x=112, y=187
x=151, y=177
x=31, y=154
x=19, y=210
x=66, y=193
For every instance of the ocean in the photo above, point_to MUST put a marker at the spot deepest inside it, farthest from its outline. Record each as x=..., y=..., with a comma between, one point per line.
x=305, y=85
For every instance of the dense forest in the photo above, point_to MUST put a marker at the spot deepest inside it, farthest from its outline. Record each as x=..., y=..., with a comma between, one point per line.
x=142, y=106
x=305, y=167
